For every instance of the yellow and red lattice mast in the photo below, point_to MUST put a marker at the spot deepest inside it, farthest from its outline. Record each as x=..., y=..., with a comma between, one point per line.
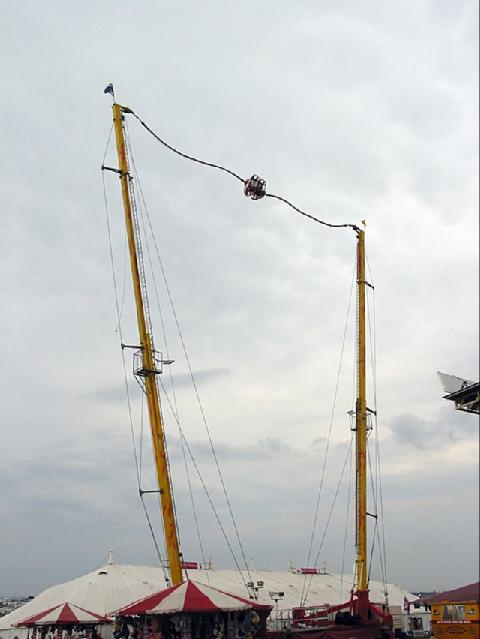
x=148, y=361
x=361, y=572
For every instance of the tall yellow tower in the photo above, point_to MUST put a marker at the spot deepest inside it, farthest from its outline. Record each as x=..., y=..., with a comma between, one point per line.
x=148, y=367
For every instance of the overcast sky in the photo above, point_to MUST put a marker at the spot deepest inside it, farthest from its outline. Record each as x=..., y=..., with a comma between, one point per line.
x=351, y=110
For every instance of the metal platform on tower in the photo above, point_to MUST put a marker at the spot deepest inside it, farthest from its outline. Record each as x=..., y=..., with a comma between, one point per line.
x=463, y=392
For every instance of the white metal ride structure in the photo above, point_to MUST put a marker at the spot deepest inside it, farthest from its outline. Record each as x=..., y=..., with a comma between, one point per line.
x=463, y=392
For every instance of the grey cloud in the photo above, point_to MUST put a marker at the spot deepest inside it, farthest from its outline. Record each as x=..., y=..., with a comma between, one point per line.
x=408, y=429
x=253, y=452
x=351, y=111
x=451, y=426
x=181, y=380
x=112, y=394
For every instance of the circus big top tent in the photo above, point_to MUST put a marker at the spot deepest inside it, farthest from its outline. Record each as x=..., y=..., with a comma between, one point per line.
x=115, y=586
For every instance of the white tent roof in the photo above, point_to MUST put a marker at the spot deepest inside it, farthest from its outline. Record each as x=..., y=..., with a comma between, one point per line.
x=115, y=585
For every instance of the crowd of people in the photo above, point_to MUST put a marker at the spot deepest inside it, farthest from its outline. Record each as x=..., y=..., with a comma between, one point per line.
x=61, y=631
x=222, y=625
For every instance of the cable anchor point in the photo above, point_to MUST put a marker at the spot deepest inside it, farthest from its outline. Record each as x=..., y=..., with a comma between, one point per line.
x=255, y=188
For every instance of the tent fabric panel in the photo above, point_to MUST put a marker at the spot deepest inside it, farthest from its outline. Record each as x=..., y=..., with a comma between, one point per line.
x=147, y=603
x=66, y=615
x=173, y=602
x=188, y=597
x=92, y=615
x=224, y=599
x=62, y=614
x=31, y=620
x=249, y=603
x=221, y=600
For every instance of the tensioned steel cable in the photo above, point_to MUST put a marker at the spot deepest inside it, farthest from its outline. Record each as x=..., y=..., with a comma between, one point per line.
x=164, y=333
x=373, y=343
x=327, y=445
x=127, y=389
x=203, y=414
x=148, y=319
x=171, y=407
x=327, y=524
x=124, y=288
x=375, y=514
x=207, y=493
x=347, y=520
x=187, y=471
x=139, y=223
x=373, y=480
x=238, y=177
x=376, y=534
x=129, y=403
x=117, y=307
x=197, y=393
x=140, y=446
x=202, y=410
x=165, y=339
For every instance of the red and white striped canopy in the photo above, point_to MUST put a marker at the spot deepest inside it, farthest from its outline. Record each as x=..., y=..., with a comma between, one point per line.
x=189, y=596
x=63, y=614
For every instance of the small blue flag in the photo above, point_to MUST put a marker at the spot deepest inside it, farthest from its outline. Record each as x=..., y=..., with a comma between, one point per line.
x=109, y=89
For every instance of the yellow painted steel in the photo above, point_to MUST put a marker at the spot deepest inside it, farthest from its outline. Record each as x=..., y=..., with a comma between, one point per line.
x=156, y=424
x=456, y=620
x=361, y=424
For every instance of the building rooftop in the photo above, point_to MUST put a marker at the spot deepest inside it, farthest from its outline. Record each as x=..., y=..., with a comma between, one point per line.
x=471, y=592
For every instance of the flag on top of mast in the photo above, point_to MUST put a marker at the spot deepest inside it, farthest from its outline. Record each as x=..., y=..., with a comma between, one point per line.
x=109, y=89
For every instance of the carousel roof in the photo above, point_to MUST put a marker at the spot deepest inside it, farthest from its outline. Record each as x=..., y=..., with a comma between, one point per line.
x=189, y=596
x=65, y=613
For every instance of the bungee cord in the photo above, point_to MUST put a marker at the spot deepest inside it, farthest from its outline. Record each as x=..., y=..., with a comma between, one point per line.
x=310, y=216
x=254, y=187
x=184, y=155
